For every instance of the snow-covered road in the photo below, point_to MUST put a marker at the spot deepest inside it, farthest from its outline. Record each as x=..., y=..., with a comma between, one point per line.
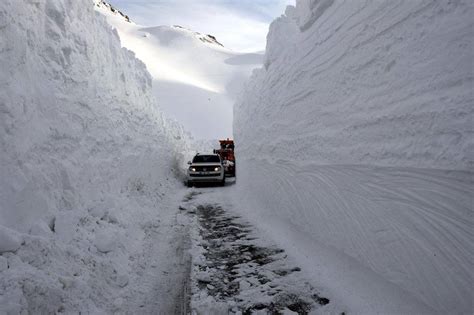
x=237, y=269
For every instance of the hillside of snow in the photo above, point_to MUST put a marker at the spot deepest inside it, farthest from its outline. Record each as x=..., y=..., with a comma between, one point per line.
x=355, y=148
x=87, y=161
x=196, y=79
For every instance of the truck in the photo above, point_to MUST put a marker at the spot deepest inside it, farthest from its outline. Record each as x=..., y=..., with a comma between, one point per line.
x=226, y=152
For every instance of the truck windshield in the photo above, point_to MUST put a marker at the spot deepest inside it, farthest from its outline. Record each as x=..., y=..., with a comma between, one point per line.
x=206, y=159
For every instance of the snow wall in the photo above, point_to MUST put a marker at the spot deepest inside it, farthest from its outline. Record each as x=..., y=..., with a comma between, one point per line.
x=358, y=134
x=77, y=115
x=86, y=157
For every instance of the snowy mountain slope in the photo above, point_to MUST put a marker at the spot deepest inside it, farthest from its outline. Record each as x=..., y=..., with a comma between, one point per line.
x=357, y=135
x=86, y=160
x=196, y=79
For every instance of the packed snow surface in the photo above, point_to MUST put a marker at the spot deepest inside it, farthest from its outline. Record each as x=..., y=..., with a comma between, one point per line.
x=237, y=269
x=355, y=148
x=196, y=78
x=87, y=164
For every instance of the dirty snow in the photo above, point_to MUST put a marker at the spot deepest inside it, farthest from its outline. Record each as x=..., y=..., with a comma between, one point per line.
x=238, y=270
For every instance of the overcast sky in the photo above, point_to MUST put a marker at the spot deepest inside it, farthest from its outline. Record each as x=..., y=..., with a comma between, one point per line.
x=241, y=25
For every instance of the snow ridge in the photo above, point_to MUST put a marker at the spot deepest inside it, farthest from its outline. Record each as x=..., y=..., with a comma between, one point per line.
x=109, y=7
x=203, y=38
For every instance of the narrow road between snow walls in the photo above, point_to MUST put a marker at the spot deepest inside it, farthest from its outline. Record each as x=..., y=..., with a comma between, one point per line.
x=353, y=146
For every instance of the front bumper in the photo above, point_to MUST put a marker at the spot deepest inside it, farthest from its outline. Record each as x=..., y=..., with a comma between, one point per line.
x=202, y=177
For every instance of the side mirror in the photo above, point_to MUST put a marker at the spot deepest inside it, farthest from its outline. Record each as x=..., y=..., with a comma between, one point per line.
x=189, y=163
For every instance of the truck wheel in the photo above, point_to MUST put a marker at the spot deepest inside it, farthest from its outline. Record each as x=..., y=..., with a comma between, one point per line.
x=222, y=183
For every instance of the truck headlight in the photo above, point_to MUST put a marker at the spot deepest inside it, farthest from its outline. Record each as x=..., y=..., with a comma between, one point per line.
x=192, y=169
x=217, y=169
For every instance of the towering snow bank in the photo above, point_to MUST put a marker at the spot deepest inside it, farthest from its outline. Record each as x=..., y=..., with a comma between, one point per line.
x=344, y=135
x=385, y=83
x=76, y=109
x=84, y=152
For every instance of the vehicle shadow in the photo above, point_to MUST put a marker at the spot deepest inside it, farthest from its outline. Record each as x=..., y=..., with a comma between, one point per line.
x=229, y=181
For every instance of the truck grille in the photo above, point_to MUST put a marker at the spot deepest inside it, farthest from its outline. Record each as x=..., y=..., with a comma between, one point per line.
x=205, y=168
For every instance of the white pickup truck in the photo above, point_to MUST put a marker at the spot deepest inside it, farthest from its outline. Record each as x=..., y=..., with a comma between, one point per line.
x=205, y=168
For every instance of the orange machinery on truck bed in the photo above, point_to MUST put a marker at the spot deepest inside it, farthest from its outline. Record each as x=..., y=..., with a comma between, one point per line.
x=226, y=152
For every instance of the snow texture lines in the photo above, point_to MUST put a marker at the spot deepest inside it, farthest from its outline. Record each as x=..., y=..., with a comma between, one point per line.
x=357, y=133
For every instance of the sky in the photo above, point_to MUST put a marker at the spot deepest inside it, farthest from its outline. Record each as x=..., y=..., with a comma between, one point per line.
x=241, y=25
